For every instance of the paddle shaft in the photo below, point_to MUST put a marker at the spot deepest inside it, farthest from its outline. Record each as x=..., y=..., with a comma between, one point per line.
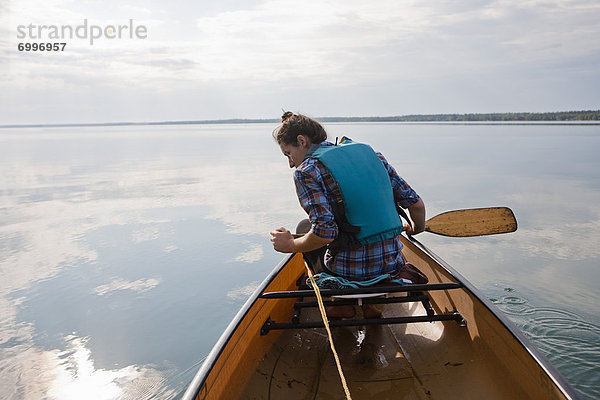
x=469, y=222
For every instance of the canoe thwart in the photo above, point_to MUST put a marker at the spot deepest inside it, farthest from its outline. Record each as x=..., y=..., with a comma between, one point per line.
x=270, y=324
x=365, y=290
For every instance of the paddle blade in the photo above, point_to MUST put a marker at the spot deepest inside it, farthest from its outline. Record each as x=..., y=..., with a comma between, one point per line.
x=473, y=222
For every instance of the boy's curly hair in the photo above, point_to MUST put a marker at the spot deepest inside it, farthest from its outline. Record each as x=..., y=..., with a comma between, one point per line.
x=293, y=125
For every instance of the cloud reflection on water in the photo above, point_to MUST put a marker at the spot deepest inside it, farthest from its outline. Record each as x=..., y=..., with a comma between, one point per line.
x=553, y=253
x=139, y=286
x=242, y=293
x=35, y=373
x=252, y=254
x=46, y=213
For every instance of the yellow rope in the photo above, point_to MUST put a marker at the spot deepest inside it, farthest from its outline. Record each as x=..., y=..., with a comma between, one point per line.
x=326, y=322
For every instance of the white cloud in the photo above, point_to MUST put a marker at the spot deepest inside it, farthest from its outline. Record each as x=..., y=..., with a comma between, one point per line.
x=334, y=42
x=384, y=54
x=140, y=10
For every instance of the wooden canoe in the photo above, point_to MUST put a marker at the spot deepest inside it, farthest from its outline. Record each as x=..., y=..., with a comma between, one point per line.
x=477, y=353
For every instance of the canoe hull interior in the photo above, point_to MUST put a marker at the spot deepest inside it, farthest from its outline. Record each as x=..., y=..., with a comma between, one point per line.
x=488, y=358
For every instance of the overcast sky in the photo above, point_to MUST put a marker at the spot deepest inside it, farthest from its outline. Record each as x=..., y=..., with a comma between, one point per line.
x=249, y=59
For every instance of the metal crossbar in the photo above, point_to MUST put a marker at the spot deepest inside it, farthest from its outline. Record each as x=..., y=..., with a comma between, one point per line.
x=366, y=290
x=415, y=294
x=270, y=325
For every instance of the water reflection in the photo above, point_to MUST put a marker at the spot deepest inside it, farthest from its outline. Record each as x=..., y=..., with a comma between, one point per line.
x=71, y=374
x=139, y=286
x=251, y=253
x=242, y=293
x=569, y=341
x=114, y=243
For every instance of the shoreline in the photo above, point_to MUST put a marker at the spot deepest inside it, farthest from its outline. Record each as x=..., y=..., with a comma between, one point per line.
x=425, y=119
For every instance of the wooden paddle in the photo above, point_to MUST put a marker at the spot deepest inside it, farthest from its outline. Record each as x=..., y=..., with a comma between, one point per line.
x=473, y=222
x=470, y=222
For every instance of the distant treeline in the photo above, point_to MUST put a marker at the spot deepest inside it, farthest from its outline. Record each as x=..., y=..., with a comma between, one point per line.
x=493, y=117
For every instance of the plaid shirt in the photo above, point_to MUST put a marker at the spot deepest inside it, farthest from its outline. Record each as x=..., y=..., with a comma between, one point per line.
x=317, y=189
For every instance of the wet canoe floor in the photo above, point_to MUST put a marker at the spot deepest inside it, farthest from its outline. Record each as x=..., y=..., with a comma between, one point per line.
x=415, y=361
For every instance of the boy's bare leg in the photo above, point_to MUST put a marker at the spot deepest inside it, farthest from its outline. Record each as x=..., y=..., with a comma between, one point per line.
x=337, y=312
x=370, y=311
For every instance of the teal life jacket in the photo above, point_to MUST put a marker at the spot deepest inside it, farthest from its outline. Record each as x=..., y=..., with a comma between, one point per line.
x=368, y=198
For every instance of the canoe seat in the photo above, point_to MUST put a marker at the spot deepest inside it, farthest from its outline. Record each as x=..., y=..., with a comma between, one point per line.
x=360, y=296
x=335, y=282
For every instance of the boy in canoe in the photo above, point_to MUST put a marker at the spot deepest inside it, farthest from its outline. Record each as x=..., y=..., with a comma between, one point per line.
x=350, y=194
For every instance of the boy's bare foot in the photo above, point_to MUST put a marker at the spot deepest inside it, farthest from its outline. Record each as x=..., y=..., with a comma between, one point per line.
x=370, y=312
x=338, y=312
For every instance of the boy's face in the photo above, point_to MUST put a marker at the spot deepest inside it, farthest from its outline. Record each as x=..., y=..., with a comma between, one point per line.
x=295, y=153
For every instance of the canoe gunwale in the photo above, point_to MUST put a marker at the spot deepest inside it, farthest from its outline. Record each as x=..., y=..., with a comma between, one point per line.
x=195, y=386
x=558, y=379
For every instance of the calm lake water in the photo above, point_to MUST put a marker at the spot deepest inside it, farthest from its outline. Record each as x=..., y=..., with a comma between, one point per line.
x=126, y=251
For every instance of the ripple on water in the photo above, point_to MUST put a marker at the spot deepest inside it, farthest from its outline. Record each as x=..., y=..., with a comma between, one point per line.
x=570, y=342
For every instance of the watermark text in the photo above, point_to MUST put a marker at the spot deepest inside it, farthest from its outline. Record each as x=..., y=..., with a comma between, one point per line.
x=90, y=32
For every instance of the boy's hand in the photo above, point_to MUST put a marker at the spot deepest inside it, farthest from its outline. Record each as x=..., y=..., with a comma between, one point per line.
x=283, y=241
